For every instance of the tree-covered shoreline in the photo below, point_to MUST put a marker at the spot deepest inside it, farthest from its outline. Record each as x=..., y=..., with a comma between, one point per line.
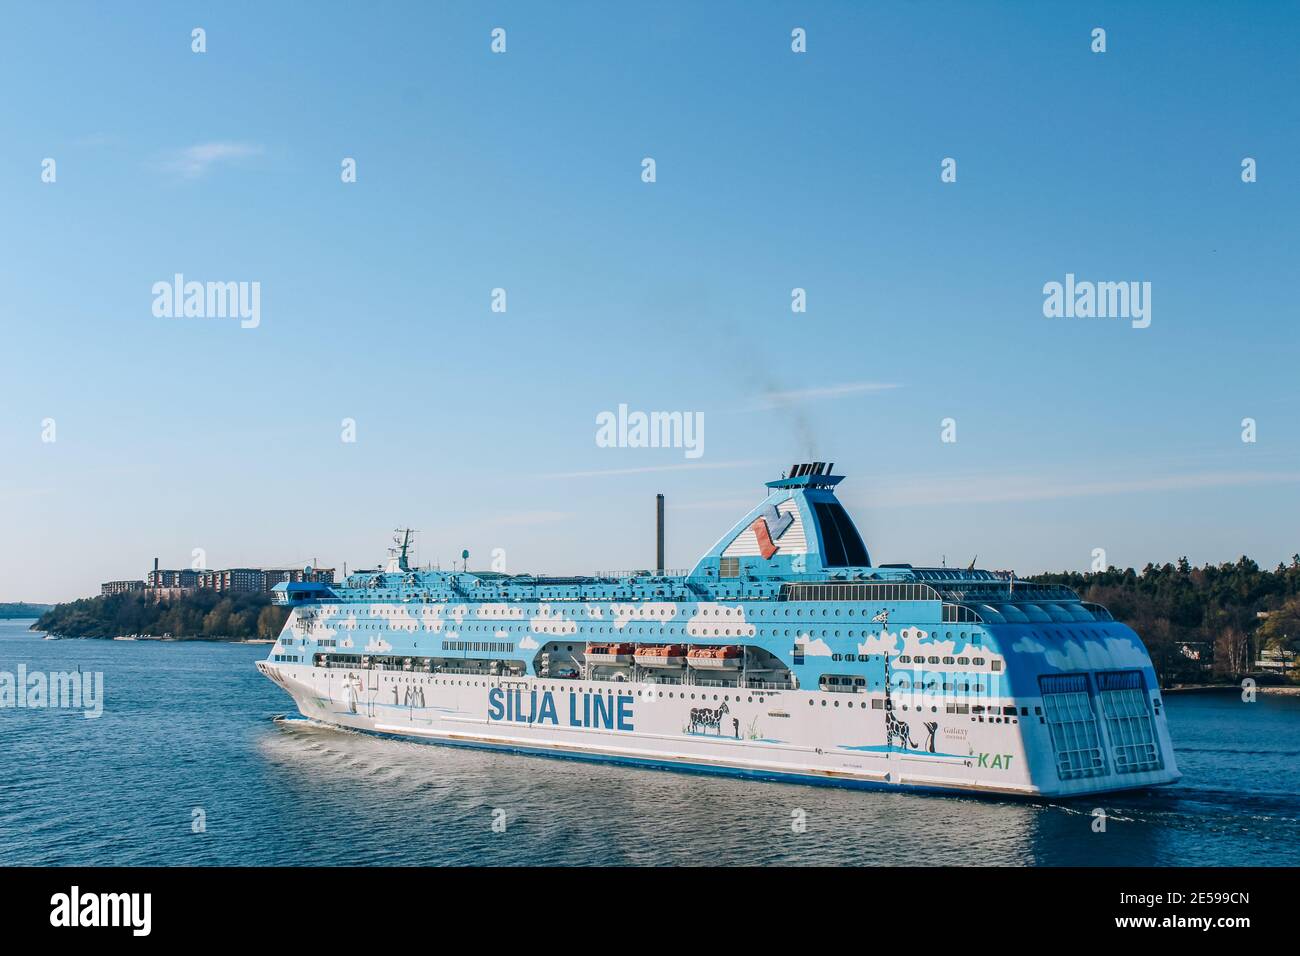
x=1227, y=613
x=199, y=615
x=21, y=609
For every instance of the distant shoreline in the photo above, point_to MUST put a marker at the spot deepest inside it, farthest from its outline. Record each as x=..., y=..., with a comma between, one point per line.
x=203, y=614
x=1282, y=690
x=23, y=612
x=152, y=639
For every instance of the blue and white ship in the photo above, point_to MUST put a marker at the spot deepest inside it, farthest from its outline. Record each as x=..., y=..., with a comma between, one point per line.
x=783, y=654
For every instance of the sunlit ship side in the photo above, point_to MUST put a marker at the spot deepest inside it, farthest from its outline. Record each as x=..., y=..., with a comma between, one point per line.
x=783, y=654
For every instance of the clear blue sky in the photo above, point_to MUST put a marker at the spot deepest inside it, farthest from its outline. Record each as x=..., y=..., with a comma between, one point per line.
x=523, y=171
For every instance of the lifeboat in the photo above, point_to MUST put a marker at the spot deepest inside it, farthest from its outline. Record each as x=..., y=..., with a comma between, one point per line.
x=661, y=655
x=610, y=653
x=715, y=658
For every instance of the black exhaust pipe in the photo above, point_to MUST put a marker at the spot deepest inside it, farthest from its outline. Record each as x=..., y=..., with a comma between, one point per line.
x=659, y=534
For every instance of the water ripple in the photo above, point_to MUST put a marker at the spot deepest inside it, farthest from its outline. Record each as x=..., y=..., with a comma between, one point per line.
x=187, y=728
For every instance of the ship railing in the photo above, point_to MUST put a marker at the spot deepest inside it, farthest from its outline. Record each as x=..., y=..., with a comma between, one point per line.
x=1010, y=593
x=858, y=591
x=1099, y=612
x=644, y=573
x=768, y=685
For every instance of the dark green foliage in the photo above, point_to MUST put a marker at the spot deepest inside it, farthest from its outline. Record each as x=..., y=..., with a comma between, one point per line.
x=198, y=615
x=22, y=609
x=1215, y=609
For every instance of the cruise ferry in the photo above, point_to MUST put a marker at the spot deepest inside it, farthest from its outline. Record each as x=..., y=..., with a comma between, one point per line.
x=784, y=654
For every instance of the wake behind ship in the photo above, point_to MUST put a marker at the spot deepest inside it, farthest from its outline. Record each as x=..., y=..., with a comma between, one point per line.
x=783, y=654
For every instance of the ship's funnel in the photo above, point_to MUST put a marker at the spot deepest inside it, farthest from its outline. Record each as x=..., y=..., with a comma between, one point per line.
x=799, y=530
x=659, y=534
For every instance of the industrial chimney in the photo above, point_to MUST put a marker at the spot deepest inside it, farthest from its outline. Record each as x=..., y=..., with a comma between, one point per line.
x=659, y=534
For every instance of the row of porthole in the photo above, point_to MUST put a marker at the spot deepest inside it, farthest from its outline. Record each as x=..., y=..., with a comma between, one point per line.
x=706, y=612
x=670, y=695
x=975, y=661
x=979, y=688
x=933, y=710
x=679, y=630
x=404, y=679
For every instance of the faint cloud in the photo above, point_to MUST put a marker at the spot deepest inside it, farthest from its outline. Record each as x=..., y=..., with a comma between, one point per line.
x=603, y=472
x=713, y=504
x=193, y=162
x=773, y=398
x=994, y=489
x=518, y=518
x=22, y=494
x=97, y=139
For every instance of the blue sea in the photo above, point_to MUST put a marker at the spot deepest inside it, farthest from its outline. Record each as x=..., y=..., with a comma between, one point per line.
x=186, y=736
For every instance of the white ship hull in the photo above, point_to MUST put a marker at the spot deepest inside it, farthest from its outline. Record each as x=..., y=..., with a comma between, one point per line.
x=795, y=735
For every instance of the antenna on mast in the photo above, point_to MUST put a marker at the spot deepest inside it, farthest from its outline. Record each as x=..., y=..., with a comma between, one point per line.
x=402, y=547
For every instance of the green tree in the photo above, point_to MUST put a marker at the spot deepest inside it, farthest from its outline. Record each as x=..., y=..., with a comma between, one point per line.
x=1281, y=629
x=270, y=622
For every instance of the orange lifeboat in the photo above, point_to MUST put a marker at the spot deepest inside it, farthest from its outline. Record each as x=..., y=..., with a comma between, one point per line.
x=716, y=658
x=661, y=655
x=610, y=653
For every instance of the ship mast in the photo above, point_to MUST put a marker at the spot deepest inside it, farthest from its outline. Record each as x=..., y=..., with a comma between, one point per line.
x=402, y=542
